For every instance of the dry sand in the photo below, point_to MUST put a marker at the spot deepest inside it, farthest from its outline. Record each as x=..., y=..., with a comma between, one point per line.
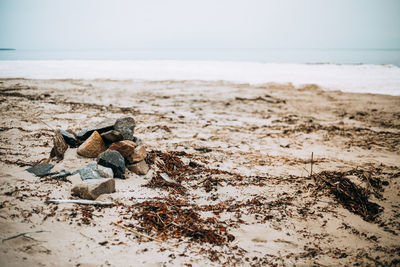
x=262, y=134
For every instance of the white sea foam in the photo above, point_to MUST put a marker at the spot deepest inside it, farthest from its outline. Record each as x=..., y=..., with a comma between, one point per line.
x=348, y=78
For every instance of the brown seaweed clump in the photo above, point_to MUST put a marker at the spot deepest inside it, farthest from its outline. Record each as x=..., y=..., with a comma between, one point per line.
x=176, y=219
x=351, y=196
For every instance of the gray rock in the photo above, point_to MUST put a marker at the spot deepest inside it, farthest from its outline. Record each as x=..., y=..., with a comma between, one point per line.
x=69, y=138
x=114, y=160
x=84, y=133
x=41, y=169
x=87, y=174
x=92, y=165
x=89, y=171
x=94, y=171
x=103, y=126
x=59, y=145
x=111, y=136
x=140, y=168
x=126, y=127
x=92, y=189
x=105, y=172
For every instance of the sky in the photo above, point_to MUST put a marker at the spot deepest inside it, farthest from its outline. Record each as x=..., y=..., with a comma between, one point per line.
x=202, y=24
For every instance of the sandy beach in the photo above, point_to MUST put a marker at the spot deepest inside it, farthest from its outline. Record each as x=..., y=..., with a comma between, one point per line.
x=244, y=175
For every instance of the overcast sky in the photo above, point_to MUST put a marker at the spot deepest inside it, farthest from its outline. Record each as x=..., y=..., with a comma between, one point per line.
x=119, y=24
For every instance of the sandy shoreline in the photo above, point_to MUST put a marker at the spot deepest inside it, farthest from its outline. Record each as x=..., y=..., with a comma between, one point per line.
x=263, y=134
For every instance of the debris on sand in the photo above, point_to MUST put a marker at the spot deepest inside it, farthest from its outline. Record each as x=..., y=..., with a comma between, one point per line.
x=353, y=197
x=174, y=218
x=111, y=141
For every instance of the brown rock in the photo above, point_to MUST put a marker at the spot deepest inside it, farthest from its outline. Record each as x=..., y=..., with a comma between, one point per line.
x=60, y=146
x=138, y=155
x=92, y=147
x=126, y=148
x=140, y=168
x=91, y=189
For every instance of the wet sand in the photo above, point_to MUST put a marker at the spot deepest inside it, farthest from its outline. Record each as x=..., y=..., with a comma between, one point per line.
x=252, y=146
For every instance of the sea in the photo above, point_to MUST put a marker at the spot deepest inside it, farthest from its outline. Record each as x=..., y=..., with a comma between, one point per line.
x=348, y=70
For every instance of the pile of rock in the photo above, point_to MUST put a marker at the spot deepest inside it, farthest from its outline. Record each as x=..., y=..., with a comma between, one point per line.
x=113, y=144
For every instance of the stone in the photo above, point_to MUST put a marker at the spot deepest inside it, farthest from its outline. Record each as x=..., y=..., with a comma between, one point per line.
x=125, y=147
x=101, y=127
x=140, y=168
x=92, y=189
x=114, y=160
x=84, y=133
x=94, y=171
x=138, y=155
x=59, y=145
x=112, y=136
x=126, y=127
x=89, y=172
x=92, y=147
x=105, y=172
x=69, y=138
x=41, y=169
x=92, y=165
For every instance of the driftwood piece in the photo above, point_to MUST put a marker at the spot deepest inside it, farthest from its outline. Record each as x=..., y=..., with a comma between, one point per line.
x=80, y=201
x=166, y=178
x=22, y=234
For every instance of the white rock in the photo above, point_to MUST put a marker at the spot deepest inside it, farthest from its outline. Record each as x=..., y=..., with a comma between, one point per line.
x=105, y=172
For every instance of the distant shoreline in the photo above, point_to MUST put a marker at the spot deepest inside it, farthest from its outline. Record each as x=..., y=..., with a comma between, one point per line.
x=376, y=79
x=7, y=49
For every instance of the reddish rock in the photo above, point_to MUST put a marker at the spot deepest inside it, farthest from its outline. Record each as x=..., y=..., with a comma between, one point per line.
x=138, y=155
x=92, y=147
x=126, y=148
x=140, y=168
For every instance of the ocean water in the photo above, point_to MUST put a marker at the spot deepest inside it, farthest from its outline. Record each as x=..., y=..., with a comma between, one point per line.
x=251, y=68
x=305, y=56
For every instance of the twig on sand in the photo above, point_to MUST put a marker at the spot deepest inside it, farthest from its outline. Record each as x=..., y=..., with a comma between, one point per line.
x=23, y=234
x=136, y=232
x=80, y=201
x=312, y=161
x=91, y=238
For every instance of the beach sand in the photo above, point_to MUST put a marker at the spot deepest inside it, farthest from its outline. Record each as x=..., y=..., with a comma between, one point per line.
x=255, y=143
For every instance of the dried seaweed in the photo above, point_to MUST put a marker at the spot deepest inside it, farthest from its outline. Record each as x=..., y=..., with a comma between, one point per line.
x=352, y=197
x=176, y=219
